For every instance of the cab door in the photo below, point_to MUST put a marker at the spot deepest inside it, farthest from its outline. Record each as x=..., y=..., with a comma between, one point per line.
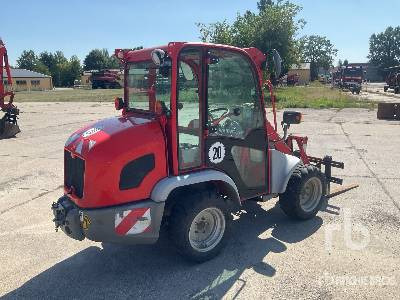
x=236, y=141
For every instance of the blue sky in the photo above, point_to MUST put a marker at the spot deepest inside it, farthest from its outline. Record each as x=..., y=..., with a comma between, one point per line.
x=76, y=27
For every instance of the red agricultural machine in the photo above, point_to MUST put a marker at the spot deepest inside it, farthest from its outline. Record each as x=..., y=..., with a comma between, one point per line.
x=8, y=123
x=192, y=144
x=106, y=79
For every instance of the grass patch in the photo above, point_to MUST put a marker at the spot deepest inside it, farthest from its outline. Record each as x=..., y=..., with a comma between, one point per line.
x=69, y=95
x=318, y=96
x=315, y=95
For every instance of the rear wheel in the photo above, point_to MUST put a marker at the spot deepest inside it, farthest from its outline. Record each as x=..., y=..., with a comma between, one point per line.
x=199, y=226
x=304, y=193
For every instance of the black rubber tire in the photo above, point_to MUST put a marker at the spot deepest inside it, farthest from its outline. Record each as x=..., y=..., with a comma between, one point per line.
x=289, y=201
x=397, y=90
x=385, y=88
x=182, y=216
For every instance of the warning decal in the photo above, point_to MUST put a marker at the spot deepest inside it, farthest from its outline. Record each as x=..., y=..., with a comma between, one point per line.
x=133, y=221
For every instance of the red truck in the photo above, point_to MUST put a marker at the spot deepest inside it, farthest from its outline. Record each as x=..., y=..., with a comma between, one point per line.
x=351, y=78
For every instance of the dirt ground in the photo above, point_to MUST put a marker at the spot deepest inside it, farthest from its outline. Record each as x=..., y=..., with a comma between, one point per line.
x=375, y=92
x=351, y=250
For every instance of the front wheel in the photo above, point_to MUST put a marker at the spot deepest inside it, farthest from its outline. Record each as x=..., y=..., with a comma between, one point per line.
x=304, y=193
x=199, y=226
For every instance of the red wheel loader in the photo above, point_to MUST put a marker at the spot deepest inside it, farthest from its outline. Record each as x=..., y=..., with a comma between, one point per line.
x=192, y=144
x=8, y=122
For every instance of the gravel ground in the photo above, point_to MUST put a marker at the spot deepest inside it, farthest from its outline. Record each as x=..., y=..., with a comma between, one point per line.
x=375, y=92
x=351, y=250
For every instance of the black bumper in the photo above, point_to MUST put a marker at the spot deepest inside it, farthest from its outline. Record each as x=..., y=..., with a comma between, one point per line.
x=134, y=223
x=352, y=86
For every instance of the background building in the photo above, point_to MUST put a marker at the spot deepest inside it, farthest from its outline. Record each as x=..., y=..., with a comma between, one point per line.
x=85, y=78
x=25, y=80
x=303, y=71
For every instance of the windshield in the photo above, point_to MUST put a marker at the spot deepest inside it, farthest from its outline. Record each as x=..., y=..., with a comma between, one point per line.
x=147, y=87
x=352, y=72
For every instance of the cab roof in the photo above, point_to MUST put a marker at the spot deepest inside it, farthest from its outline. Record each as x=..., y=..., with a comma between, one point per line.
x=130, y=55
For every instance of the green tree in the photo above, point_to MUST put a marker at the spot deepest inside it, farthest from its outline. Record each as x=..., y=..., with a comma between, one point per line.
x=60, y=65
x=262, y=4
x=273, y=26
x=218, y=32
x=97, y=59
x=62, y=70
x=113, y=62
x=41, y=68
x=318, y=51
x=384, y=48
x=345, y=62
x=70, y=71
x=27, y=60
x=48, y=60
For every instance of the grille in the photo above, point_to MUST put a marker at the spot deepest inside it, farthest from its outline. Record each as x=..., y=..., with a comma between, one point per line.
x=74, y=173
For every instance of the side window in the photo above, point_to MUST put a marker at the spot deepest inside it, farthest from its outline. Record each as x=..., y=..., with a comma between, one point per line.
x=189, y=129
x=233, y=96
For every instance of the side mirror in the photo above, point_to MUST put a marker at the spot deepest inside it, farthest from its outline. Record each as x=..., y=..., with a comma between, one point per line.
x=291, y=117
x=277, y=63
x=119, y=103
x=162, y=61
x=157, y=56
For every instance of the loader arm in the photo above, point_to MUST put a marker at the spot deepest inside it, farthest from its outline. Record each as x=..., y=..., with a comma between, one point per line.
x=8, y=123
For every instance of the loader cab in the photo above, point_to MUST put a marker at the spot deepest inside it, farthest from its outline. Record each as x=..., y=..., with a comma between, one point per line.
x=211, y=98
x=220, y=116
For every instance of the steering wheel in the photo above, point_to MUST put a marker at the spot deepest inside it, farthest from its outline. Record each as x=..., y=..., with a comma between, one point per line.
x=229, y=128
x=216, y=121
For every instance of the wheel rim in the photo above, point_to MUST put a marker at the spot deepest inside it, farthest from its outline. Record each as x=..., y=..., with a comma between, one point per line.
x=207, y=229
x=310, y=194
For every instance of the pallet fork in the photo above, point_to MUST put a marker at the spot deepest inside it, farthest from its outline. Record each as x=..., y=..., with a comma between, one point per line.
x=328, y=163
